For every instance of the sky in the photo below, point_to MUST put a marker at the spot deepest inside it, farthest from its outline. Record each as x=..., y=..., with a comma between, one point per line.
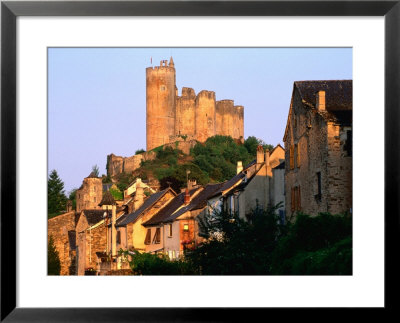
x=97, y=96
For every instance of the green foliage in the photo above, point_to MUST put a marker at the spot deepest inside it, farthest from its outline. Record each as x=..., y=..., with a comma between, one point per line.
x=151, y=264
x=53, y=259
x=139, y=151
x=235, y=246
x=117, y=194
x=106, y=179
x=251, y=144
x=72, y=197
x=171, y=181
x=123, y=180
x=315, y=245
x=95, y=170
x=56, y=199
x=218, y=157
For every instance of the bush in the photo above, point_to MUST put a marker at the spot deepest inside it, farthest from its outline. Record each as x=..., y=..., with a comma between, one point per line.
x=310, y=242
x=151, y=264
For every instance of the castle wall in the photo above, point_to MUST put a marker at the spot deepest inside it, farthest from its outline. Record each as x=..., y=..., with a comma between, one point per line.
x=90, y=195
x=185, y=112
x=227, y=110
x=160, y=104
x=219, y=118
x=205, y=115
x=238, y=122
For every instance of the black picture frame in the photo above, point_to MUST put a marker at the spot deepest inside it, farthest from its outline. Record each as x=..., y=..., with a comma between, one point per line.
x=10, y=10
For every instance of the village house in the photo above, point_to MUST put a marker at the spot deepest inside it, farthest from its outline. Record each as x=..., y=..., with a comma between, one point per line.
x=165, y=237
x=90, y=238
x=133, y=233
x=318, y=142
x=258, y=186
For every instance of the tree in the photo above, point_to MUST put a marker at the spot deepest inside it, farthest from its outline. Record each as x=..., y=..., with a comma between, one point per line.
x=53, y=259
x=139, y=151
x=72, y=197
x=251, y=144
x=55, y=194
x=95, y=170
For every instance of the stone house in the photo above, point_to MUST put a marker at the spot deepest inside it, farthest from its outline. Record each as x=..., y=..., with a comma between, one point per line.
x=258, y=187
x=90, y=238
x=62, y=229
x=133, y=235
x=318, y=141
x=89, y=195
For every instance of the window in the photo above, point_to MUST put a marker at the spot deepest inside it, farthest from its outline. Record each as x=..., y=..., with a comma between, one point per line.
x=94, y=199
x=295, y=199
x=157, y=236
x=162, y=87
x=186, y=227
x=319, y=187
x=291, y=156
x=148, y=237
x=170, y=230
x=119, y=237
x=348, y=146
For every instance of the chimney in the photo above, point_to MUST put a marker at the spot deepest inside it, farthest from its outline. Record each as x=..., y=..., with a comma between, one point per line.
x=321, y=101
x=267, y=161
x=187, y=197
x=191, y=184
x=139, y=194
x=239, y=167
x=260, y=154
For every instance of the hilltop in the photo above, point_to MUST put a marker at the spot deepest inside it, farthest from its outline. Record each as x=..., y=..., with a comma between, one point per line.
x=215, y=160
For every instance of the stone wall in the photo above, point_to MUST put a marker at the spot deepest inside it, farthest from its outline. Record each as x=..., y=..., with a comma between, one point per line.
x=90, y=195
x=320, y=150
x=185, y=112
x=205, y=115
x=117, y=164
x=58, y=228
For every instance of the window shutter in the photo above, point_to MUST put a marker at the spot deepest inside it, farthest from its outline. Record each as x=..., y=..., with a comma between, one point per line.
x=148, y=237
x=291, y=153
x=293, y=199
x=298, y=199
x=157, y=237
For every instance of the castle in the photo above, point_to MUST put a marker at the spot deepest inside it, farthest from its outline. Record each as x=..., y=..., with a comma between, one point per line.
x=170, y=117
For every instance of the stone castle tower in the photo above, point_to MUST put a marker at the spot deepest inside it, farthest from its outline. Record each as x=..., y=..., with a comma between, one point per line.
x=170, y=117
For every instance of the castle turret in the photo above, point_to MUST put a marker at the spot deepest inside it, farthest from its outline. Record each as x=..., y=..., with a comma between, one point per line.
x=205, y=115
x=225, y=107
x=185, y=112
x=160, y=104
x=238, y=122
